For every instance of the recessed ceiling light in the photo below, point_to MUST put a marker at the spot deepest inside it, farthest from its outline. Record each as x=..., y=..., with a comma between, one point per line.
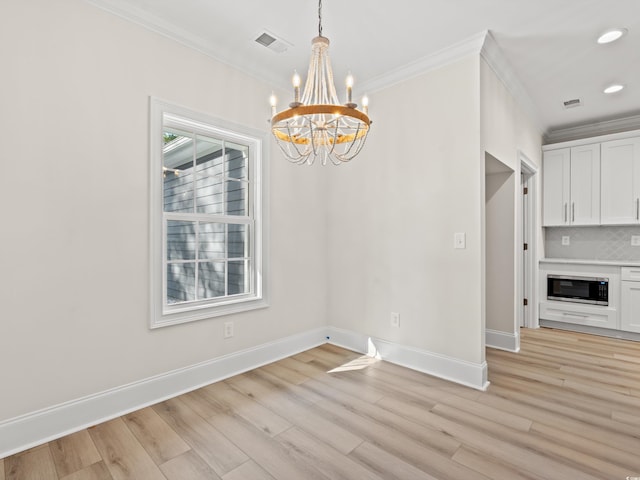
x=613, y=88
x=612, y=35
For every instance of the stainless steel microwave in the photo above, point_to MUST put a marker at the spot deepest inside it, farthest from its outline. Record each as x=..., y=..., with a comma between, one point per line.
x=567, y=288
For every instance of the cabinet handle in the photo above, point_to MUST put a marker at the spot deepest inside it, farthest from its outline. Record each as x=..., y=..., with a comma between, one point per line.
x=574, y=315
x=573, y=211
x=565, y=212
x=637, y=208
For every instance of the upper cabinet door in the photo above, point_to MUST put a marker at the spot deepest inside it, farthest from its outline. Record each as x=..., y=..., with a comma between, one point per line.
x=556, y=178
x=620, y=194
x=584, y=208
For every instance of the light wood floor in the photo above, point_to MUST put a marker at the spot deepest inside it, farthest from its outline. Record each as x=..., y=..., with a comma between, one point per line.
x=566, y=407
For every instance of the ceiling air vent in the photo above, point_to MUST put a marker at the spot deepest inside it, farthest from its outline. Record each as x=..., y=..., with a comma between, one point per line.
x=576, y=102
x=272, y=42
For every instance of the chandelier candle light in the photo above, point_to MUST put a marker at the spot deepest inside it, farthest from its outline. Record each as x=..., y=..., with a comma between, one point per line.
x=317, y=125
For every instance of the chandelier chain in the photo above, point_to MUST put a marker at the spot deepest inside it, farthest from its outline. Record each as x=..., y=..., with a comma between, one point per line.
x=319, y=18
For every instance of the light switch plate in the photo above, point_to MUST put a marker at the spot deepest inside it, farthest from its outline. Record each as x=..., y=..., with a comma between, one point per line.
x=566, y=240
x=460, y=240
x=635, y=240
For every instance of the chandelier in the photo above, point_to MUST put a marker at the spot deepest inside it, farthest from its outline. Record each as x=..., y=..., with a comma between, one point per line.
x=317, y=125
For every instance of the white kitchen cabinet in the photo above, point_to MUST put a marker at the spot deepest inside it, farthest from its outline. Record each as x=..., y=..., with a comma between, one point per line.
x=571, y=178
x=630, y=300
x=620, y=180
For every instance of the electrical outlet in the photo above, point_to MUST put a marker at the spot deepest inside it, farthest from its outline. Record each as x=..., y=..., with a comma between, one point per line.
x=459, y=240
x=228, y=329
x=635, y=240
x=395, y=319
x=566, y=240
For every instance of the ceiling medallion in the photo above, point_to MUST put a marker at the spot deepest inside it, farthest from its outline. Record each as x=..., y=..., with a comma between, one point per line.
x=317, y=126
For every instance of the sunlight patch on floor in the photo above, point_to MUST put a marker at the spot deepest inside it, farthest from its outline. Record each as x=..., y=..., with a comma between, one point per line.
x=359, y=363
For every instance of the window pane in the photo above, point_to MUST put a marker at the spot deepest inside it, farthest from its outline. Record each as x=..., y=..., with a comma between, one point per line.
x=177, y=172
x=211, y=240
x=209, y=156
x=181, y=282
x=181, y=240
x=237, y=156
x=238, y=245
x=238, y=277
x=178, y=191
x=236, y=198
x=211, y=280
x=209, y=194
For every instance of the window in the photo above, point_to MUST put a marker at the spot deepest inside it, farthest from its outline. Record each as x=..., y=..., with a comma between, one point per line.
x=206, y=216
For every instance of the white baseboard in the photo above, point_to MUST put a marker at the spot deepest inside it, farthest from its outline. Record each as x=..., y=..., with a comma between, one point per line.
x=466, y=373
x=35, y=428
x=502, y=340
x=20, y=433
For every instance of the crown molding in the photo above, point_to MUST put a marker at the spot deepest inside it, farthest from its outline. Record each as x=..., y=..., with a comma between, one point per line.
x=131, y=13
x=604, y=127
x=482, y=43
x=152, y=22
x=493, y=56
x=457, y=51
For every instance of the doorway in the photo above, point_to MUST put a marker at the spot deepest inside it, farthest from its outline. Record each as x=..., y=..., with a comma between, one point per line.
x=528, y=241
x=501, y=255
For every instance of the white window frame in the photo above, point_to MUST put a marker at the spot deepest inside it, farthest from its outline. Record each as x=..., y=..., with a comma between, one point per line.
x=163, y=314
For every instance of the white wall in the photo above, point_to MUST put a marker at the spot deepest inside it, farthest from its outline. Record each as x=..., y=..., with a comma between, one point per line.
x=74, y=187
x=506, y=127
x=393, y=213
x=508, y=133
x=500, y=246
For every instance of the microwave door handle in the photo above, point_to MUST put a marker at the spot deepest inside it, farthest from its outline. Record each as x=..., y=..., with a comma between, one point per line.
x=637, y=208
x=567, y=314
x=565, y=212
x=573, y=212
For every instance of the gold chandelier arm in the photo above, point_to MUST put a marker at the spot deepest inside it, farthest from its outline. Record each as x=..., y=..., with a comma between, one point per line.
x=337, y=110
x=337, y=139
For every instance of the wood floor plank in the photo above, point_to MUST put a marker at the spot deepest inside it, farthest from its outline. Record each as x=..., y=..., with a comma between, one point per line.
x=74, y=452
x=271, y=455
x=2, y=469
x=341, y=382
x=214, y=448
x=332, y=358
x=97, y=471
x=598, y=459
x=282, y=385
x=248, y=471
x=499, y=448
x=386, y=465
x=35, y=464
x=280, y=370
x=432, y=438
x=324, y=458
x=160, y=441
x=297, y=410
x=221, y=398
x=591, y=447
x=396, y=443
x=569, y=418
x=490, y=467
x=626, y=417
x=190, y=466
x=122, y=453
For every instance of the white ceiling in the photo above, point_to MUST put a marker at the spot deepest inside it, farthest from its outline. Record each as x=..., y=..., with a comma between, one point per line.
x=550, y=44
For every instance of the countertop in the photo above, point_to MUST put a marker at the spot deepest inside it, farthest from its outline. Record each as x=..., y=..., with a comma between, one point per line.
x=575, y=261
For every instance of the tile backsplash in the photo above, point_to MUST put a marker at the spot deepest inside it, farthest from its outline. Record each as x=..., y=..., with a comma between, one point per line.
x=592, y=243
